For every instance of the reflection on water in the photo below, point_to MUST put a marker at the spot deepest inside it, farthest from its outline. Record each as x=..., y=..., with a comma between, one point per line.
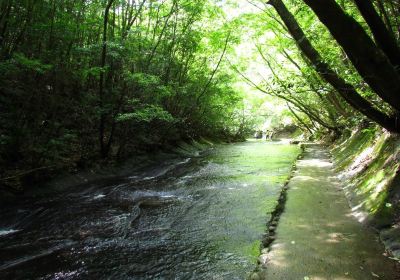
x=186, y=218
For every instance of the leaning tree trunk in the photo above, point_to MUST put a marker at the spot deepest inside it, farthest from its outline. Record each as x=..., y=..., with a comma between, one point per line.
x=369, y=60
x=346, y=91
x=383, y=37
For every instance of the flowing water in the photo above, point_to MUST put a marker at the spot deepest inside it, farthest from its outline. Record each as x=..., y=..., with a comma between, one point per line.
x=198, y=217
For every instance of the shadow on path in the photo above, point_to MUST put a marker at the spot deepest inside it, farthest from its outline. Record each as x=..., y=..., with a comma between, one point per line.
x=317, y=237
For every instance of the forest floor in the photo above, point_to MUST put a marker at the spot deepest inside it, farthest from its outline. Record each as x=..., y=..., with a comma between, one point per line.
x=317, y=236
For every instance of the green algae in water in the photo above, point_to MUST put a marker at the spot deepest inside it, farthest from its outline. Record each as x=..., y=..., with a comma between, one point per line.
x=262, y=174
x=212, y=230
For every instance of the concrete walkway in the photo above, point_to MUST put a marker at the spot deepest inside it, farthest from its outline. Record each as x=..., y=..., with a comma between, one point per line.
x=317, y=237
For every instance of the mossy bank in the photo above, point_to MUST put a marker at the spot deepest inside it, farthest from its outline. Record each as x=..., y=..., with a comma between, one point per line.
x=368, y=161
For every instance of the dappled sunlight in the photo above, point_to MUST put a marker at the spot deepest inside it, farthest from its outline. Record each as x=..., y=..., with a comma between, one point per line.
x=358, y=207
x=360, y=216
x=140, y=110
x=333, y=254
x=363, y=158
x=334, y=180
x=336, y=237
x=318, y=237
x=304, y=178
x=276, y=256
x=304, y=226
x=379, y=188
x=333, y=224
x=264, y=259
x=358, y=212
x=315, y=163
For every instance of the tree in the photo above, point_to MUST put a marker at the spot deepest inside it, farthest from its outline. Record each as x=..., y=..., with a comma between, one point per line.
x=346, y=91
x=369, y=60
x=104, y=147
x=383, y=36
x=79, y=77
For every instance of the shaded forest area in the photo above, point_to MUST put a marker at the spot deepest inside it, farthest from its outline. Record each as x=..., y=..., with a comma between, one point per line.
x=82, y=81
x=85, y=81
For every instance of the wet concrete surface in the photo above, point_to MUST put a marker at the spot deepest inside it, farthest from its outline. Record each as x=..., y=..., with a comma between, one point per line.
x=183, y=217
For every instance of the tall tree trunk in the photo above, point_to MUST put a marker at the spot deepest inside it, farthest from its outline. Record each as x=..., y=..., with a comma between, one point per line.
x=346, y=91
x=383, y=37
x=50, y=43
x=395, y=12
x=369, y=60
x=21, y=35
x=205, y=89
x=103, y=147
x=385, y=15
x=4, y=20
x=160, y=36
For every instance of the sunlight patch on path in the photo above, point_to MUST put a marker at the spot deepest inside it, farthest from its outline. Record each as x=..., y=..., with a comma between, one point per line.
x=317, y=236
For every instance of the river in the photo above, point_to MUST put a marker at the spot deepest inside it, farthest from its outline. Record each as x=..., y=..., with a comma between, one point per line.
x=197, y=217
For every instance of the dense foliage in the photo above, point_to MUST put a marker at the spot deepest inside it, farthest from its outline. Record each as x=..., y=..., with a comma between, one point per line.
x=82, y=80
x=335, y=63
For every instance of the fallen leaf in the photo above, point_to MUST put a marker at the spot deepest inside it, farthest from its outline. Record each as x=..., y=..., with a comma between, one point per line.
x=375, y=275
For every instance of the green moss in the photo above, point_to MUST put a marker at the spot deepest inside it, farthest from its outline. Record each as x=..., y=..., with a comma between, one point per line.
x=369, y=181
x=350, y=148
x=374, y=183
x=253, y=249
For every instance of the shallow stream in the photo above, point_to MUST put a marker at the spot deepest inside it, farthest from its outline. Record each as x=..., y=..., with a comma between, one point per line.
x=197, y=217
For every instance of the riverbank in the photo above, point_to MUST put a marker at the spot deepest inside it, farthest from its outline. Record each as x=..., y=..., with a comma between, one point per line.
x=368, y=161
x=15, y=188
x=317, y=238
